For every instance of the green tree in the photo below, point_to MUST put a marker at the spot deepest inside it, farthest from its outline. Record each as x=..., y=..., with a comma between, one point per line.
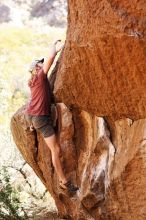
x=10, y=205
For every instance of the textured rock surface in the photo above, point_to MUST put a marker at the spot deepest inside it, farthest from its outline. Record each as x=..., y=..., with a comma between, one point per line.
x=101, y=73
x=111, y=167
x=128, y=178
x=104, y=60
x=107, y=160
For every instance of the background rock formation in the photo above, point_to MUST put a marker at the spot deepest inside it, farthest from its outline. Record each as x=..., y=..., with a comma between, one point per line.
x=101, y=73
x=23, y=12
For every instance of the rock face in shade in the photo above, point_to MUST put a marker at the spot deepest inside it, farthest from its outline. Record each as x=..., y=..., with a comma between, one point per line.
x=111, y=166
x=104, y=62
x=100, y=73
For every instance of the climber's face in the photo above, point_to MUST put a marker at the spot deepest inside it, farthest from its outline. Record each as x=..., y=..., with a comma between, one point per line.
x=38, y=66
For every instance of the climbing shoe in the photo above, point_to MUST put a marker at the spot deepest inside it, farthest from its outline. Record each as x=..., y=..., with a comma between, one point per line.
x=69, y=187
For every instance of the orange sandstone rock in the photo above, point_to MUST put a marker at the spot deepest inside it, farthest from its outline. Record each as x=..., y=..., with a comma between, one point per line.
x=104, y=62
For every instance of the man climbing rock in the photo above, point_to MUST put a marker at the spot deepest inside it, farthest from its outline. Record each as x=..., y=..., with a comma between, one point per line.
x=38, y=110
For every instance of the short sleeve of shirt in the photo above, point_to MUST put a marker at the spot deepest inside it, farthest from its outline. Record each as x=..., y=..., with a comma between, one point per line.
x=42, y=75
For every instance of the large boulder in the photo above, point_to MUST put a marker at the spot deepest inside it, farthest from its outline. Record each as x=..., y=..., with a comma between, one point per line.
x=104, y=63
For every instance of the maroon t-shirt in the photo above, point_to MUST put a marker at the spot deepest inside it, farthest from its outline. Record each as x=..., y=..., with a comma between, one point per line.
x=40, y=102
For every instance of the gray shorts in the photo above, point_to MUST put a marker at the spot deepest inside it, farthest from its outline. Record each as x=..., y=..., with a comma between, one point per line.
x=42, y=123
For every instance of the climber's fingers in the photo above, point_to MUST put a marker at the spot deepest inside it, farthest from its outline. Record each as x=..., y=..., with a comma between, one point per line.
x=56, y=41
x=58, y=45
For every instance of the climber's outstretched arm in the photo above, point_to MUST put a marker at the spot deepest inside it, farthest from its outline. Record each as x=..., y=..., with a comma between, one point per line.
x=53, y=50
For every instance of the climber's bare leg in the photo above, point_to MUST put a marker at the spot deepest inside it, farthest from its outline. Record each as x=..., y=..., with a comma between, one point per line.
x=55, y=153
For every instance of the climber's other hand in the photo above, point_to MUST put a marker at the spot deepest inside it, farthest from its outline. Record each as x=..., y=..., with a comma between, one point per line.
x=58, y=45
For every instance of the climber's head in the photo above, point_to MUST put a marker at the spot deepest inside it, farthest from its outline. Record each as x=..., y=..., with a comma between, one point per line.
x=36, y=65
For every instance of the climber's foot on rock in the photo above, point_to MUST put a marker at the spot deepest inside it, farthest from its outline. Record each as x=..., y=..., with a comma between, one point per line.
x=69, y=187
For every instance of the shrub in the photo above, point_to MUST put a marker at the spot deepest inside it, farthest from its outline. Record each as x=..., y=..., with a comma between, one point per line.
x=10, y=205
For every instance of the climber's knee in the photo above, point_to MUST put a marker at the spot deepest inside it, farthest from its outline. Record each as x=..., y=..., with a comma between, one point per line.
x=53, y=146
x=51, y=142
